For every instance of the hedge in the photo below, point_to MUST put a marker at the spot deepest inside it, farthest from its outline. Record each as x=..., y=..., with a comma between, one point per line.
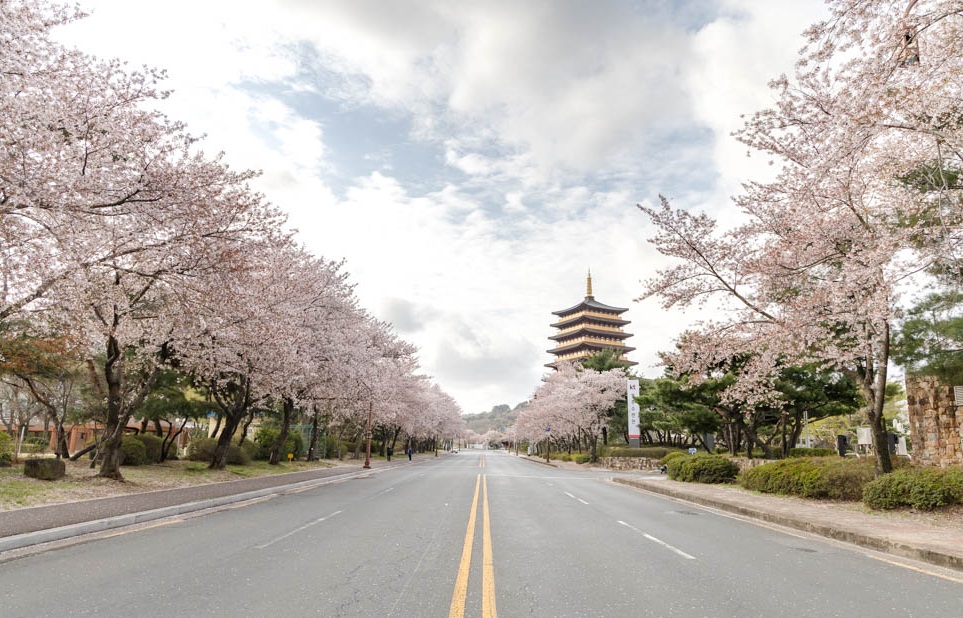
x=672, y=455
x=650, y=452
x=811, y=477
x=6, y=448
x=134, y=452
x=812, y=452
x=202, y=449
x=924, y=489
x=152, y=445
x=267, y=436
x=702, y=468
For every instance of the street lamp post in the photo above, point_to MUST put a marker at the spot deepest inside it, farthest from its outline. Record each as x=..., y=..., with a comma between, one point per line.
x=548, y=444
x=367, y=437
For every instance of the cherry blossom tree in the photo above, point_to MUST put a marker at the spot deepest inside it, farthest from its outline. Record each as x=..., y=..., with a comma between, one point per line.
x=864, y=202
x=572, y=401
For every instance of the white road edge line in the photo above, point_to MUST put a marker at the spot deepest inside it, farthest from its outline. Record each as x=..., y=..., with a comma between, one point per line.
x=582, y=501
x=660, y=542
x=296, y=530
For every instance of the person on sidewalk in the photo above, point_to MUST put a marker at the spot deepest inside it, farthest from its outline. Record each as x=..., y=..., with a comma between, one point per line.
x=409, y=453
x=390, y=451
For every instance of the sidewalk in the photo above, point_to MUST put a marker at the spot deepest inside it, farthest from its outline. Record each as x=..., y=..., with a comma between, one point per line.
x=926, y=543
x=43, y=524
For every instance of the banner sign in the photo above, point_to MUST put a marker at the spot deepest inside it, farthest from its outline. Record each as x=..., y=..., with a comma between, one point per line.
x=632, y=391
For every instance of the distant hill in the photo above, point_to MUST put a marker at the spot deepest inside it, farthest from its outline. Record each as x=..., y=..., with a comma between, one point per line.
x=501, y=417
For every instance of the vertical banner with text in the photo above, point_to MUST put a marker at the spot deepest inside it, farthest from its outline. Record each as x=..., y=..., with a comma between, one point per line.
x=632, y=391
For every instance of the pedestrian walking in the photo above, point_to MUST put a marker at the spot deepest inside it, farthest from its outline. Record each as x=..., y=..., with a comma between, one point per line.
x=409, y=453
x=390, y=452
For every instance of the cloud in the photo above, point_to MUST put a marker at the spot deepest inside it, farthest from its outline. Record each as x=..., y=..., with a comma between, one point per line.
x=471, y=161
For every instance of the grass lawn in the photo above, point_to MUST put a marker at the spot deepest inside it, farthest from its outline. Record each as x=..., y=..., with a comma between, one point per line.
x=81, y=482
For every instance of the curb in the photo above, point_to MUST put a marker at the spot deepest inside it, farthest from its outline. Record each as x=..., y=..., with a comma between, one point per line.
x=877, y=543
x=29, y=539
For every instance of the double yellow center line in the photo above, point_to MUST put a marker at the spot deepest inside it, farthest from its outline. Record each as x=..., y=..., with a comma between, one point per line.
x=457, y=609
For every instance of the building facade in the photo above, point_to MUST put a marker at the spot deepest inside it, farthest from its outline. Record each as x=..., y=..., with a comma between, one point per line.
x=587, y=328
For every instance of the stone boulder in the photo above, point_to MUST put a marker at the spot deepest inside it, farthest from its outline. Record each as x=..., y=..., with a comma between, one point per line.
x=45, y=469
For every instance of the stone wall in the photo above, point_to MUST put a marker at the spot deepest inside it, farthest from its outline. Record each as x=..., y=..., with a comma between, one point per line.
x=935, y=422
x=629, y=463
x=644, y=463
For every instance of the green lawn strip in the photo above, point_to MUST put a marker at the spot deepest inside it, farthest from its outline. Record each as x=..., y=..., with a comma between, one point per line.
x=17, y=490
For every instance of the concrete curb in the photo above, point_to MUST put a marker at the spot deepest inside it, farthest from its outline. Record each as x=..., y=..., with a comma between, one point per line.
x=878, y=543
x=50, y=535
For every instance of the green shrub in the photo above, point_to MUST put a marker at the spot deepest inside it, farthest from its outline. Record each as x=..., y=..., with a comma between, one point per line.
x=562, y=456
x=6, y=447
x=236, y=456
x=812, y=452
x=251, y=448
x=581, y=458
x=201, y=449
x=267, y=435
x=672, y=455
x=152, y=445
x=134, y=452
x=924, y=489
x=810, y=477
x=34, y=445
x=703, y=468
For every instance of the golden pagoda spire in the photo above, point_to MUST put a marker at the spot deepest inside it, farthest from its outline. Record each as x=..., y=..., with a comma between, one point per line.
x=588, y=286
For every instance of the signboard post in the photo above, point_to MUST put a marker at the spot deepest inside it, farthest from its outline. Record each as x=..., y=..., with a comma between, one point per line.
x=632, y=391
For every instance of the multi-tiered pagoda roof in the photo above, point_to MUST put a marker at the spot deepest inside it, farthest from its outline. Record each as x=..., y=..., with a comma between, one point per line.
x=587, y=328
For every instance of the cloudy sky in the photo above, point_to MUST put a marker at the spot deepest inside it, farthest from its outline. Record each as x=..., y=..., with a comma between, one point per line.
x=472, y=160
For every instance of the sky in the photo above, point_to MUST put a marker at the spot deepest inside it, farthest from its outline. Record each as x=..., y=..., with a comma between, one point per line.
x=472, y=161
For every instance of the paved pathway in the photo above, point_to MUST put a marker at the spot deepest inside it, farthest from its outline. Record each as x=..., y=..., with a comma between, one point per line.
x=40, y=524
x=900, y=537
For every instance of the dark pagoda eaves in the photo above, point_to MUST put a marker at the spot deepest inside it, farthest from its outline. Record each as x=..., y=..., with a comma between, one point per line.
x=593, y=331
x=608, y=321
x=555, y=364
x=589, y=303
x=589, y=345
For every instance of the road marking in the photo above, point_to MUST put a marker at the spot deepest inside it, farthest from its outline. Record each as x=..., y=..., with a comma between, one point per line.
x=296, y=530
x=917, y=569
x=659, y=542
x=141, y=527
x=481, y=461
x=488, y=564
x=457, y=609
x=575, y=497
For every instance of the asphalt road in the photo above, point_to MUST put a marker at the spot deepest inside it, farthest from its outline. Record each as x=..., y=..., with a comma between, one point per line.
x=473, y=534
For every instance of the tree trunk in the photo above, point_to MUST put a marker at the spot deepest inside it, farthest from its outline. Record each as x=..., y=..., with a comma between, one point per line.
x=110, y=453
x=219, y=458
x=84, y=451
x=170, y=440
x=234, y=402
x=287, y=408
x=63, y=451
x=315, y=434
x=875, y=388
x=245, y=427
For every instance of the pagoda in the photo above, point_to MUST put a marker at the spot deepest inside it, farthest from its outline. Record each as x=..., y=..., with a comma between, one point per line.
x=587, y=328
